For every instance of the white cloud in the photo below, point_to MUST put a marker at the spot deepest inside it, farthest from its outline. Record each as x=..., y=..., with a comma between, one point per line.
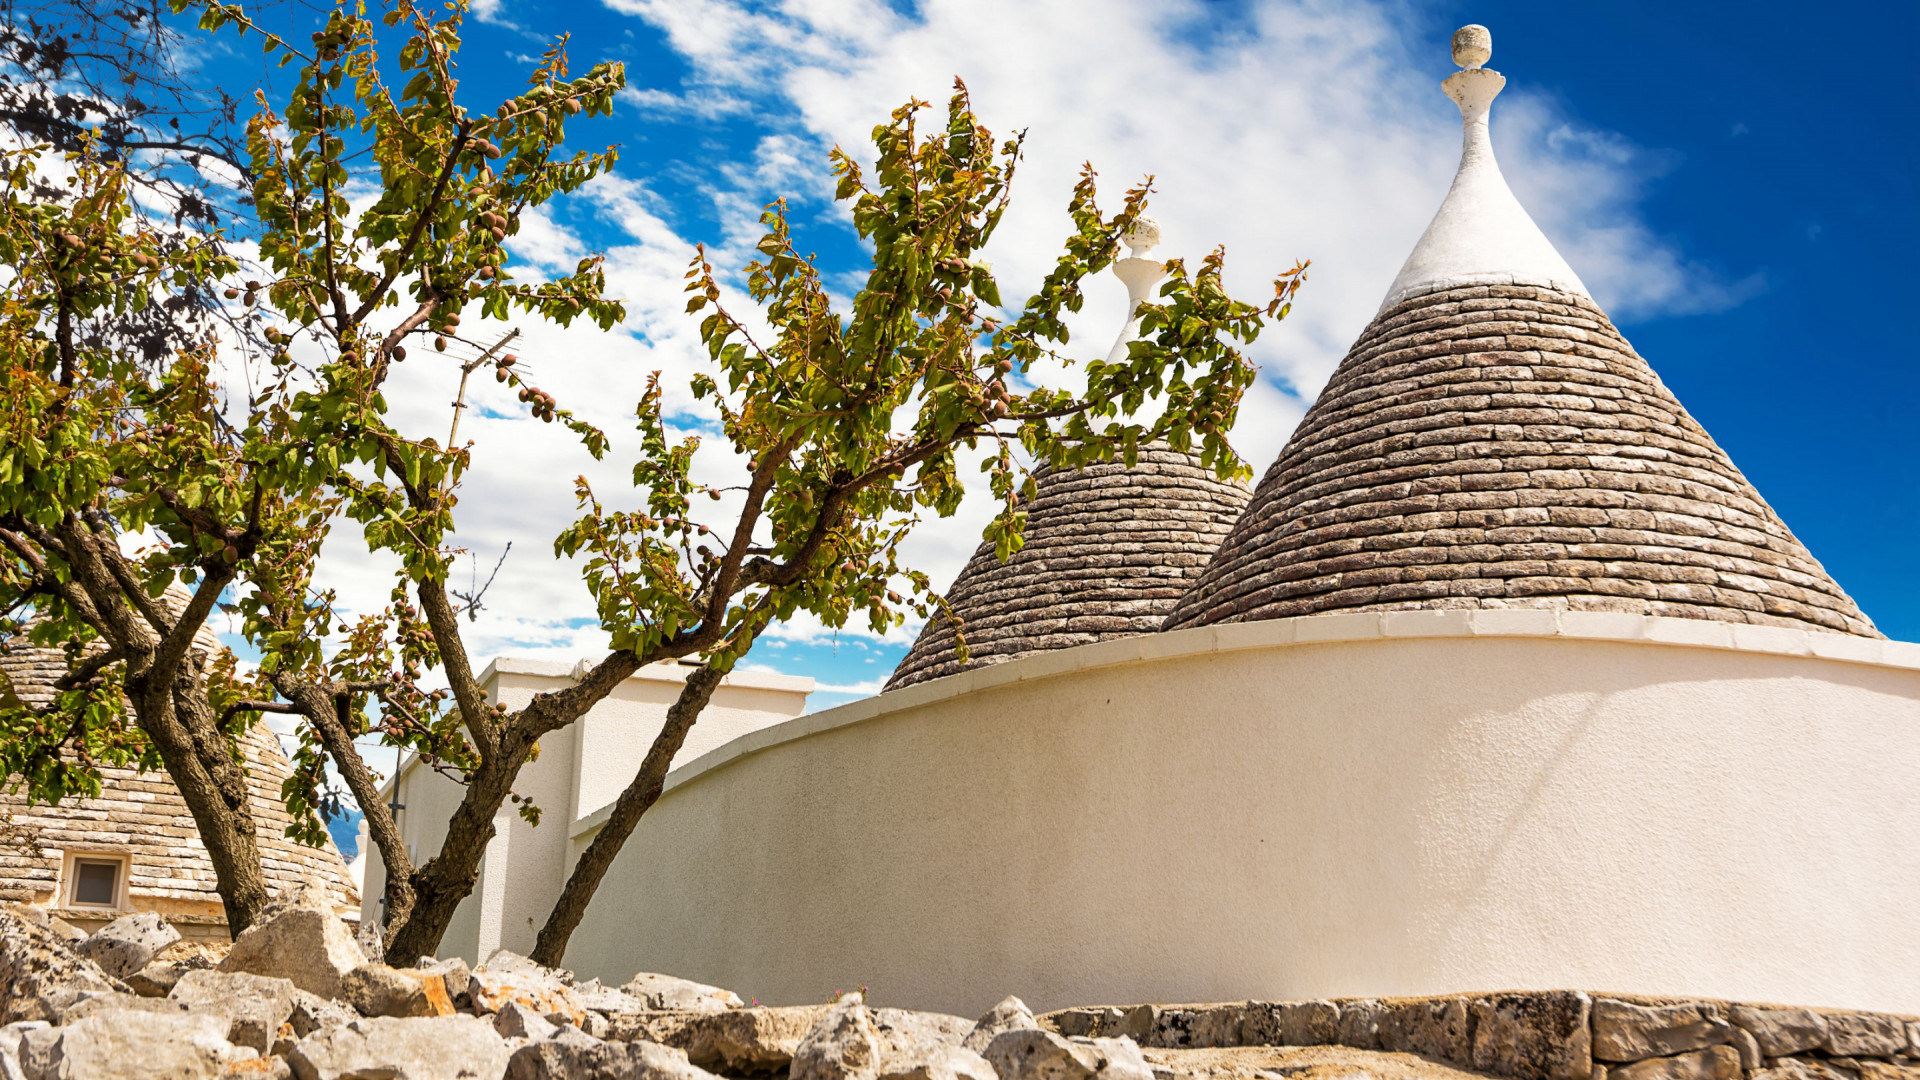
x=1304, y=129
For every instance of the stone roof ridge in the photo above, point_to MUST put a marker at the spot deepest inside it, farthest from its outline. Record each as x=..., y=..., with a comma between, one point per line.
x=1109, y=549
x=1481, y=235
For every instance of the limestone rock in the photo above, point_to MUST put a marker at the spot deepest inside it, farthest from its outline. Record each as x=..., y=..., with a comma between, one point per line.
x=1292, y=1023
x=1360, y=1023
x=747, y=1040
x=311, y=1012
x=131, y=1045
x=1437, y=1027
x=1011, y=1014
x=158, y=977
x=1913, y=1039
x=666, y=1028
x=1027, y=1054
x=1865, y=1035
x=516, y=1021
x=378, y=990
x=255, y=1005
x=37, y=970
x=906, y=1034
x=124, y=945
x=1195, y=1026
x=945, y=1063
x=1100, y=1020
x=844, y=1045
x=1623, y=1031
x=1782, y=1032
x=1872, y=1069
x=11, y=1036
x=1751, y=1057
x=61, y=929
x=667, y=992
x=1714, y=1063
x=571, y=1055
x=454, y=975
x=510, y=977
x=1538, y=1035
x=396, y=1048
x=301, y=939
x=1798, y=1068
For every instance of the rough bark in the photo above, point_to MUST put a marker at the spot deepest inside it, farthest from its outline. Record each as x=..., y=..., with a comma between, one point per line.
x=640, y=795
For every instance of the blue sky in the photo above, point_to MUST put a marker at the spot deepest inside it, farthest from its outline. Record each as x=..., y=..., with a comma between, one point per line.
x=1736, y=183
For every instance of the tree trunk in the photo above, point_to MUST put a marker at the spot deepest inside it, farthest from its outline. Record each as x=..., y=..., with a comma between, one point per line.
x=448, y=877
x=181, y=725
x=635, y=801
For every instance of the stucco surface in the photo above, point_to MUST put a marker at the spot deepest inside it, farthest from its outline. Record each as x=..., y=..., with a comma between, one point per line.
x=1380, y=803
x=581, y=768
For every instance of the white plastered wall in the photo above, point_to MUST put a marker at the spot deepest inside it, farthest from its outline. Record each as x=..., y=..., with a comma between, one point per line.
x=581, y=769
x=1354, y=804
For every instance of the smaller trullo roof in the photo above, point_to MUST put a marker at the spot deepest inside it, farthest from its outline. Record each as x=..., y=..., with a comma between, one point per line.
x=1492, y=441
x=1108, y=551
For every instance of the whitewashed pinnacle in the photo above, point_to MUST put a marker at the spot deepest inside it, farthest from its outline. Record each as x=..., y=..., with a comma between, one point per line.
x=1481, y=235
x=1140, y=274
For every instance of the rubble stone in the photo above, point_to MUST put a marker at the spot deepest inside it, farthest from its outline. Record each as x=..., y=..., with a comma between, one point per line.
x=1437, y=1027
x=1782, y=1032
x=1009, y=1015
x=1197, y=1026
x=1540, y=1036
x=402, y=1048
x=753, y=1040
x=509, y=976
x=1030, y=1054
x=1293, y=1023
x=1360, y=1023
x=944, y=1063
x=126, y=944
x=255, y=1005
x=37, y=969
x=667, y=992
x=298, y=938
x=378, y=990
x=1865, y=1035
x=1713, y=1063
x=131, y=1045
x=572, y=1055
x=843, y=1045
x=516, y=1021
x=1624, y=1031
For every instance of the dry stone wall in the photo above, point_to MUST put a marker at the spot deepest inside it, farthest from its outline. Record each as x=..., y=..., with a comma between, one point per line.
x=1503, y=446
x=1544, y=1035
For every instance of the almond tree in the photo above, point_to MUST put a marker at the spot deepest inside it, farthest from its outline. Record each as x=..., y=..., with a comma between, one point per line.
x=849, y=428
x=852, y=426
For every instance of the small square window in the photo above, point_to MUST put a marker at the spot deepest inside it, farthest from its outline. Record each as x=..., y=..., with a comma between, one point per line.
x=96, y=882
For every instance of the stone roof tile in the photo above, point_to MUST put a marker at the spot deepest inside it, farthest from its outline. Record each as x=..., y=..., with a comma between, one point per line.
x=1453, y=462
x=1108, y=551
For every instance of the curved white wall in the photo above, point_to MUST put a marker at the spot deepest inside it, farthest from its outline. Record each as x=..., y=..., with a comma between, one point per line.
x=1407, y=803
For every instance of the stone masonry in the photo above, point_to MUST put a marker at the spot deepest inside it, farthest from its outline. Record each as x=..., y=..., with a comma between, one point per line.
x=1503, y=446
x=1108, y=552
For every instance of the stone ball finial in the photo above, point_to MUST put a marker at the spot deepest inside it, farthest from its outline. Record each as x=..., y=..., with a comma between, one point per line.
x=1142, y=236
x=1472, y=46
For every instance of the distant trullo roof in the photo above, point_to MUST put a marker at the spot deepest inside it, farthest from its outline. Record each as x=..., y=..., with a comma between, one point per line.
x=1492, y=441
x=1108, y=551
x=144, y=815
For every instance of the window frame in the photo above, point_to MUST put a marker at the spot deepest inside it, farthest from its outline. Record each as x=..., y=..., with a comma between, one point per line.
x=122, y=865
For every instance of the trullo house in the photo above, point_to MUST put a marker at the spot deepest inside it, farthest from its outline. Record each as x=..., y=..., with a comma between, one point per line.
x=1503, y=677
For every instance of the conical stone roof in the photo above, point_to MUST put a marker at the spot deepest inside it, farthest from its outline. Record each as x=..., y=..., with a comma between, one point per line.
x=1108, y=551
x=1492, y=441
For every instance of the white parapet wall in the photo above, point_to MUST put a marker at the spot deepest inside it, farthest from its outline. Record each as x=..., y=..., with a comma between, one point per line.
x=1352, y=804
